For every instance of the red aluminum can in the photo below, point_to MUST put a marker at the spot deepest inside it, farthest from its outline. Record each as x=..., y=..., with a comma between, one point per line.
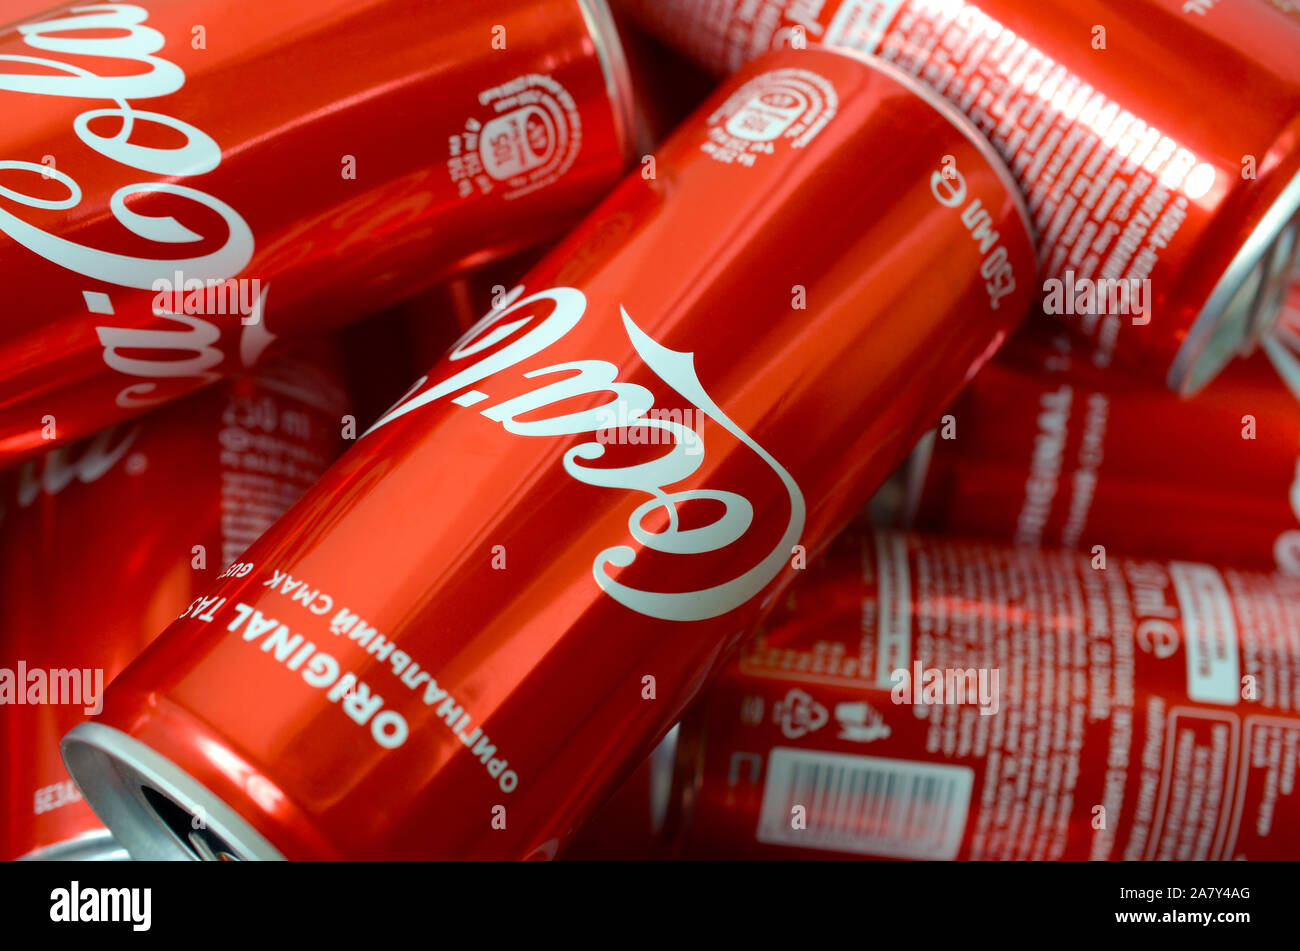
x=183, y=182
x=104, y=542
x=1045, y=449
x=492, y=607
x=1143, y=711
x=1132, y=172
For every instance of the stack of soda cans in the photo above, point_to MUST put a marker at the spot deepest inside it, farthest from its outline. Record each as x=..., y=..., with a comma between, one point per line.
x=692, y=429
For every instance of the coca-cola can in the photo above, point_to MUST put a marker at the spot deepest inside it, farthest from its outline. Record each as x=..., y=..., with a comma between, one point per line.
x=1166, y=212
x=498, y=601
x=925, y=698
x=103, y=542
x=183, y=182
x=1047, y=450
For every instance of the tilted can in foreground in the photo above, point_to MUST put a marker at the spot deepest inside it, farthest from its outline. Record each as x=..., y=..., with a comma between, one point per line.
x=182, y=182
x=920, y=698
x=497, y=602
x=104, y=542
x=1165, y=210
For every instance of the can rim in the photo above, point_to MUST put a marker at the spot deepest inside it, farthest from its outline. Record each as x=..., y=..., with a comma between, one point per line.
x=111, y=769
x=916, y=473
x=1186, y=374
x=663, y=763
x=613, y=63
x=962, y=122
x=96, y=845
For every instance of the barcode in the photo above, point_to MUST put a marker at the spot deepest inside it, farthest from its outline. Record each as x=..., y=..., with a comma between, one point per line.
x=864, y=804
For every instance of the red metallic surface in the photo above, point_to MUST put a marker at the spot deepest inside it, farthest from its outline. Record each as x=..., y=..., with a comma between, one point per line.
x=1052, y=451
x=514, y=586
x=1070, y=116
x=340, y=190
x=13, y=11
x=1095, y=708
x=104, y=542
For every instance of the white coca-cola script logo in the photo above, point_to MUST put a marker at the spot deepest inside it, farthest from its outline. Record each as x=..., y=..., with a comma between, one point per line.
x=119, y=34
x=681, y=460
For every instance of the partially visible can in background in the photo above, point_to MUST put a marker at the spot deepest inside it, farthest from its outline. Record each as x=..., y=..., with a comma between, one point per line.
x=1047, y=450
x=493, y=606
x=1165, y=211
x=104, y=542
x=183, y=182
x=923, y=698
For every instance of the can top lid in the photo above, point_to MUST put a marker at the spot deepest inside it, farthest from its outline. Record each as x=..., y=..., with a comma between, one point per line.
x=662, y=766
x=97, y=845
x=1246, y=301
x=151, y=805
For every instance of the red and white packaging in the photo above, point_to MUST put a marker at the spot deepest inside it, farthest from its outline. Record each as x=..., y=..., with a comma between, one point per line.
x=922, y=698
x=1047, y=450
x=182, y=182
x=1157, y=143
x=103, y=542
x=497, y=602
